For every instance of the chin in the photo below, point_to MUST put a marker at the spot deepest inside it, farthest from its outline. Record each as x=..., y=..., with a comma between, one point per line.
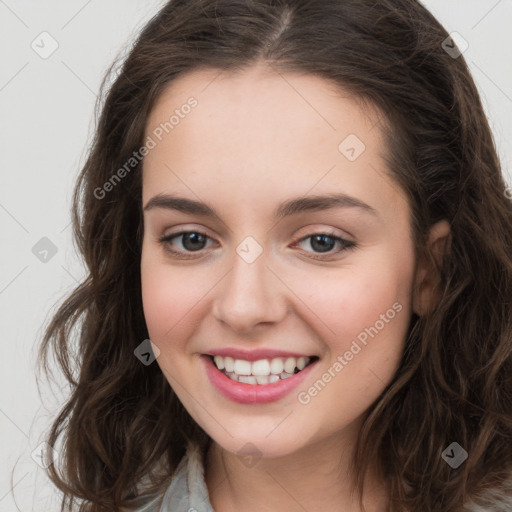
x=260, y=444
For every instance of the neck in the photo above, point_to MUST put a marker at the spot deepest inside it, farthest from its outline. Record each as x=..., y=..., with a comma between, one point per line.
x=316, y=477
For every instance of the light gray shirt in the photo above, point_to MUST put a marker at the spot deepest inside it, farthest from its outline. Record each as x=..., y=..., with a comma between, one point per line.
x=187, y=491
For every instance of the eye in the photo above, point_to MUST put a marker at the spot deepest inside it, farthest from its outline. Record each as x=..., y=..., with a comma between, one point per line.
x=195, y=241
x=191, y=241
x=323, y=243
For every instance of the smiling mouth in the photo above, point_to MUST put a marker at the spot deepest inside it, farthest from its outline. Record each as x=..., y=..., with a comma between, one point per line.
x=263, y=371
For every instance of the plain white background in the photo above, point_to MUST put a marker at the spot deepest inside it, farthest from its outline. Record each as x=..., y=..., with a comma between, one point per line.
x=47, y=107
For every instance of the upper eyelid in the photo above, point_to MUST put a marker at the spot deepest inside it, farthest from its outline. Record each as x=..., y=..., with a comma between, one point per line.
x=309, y=232
x=297, y=240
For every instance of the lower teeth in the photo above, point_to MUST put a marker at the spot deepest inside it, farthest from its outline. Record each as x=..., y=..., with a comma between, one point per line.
x=263, y=379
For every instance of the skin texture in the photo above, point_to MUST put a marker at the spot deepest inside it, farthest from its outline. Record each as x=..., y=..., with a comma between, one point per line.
x=258, y=138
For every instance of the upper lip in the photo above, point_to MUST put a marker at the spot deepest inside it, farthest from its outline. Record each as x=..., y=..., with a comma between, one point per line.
x=255, y=354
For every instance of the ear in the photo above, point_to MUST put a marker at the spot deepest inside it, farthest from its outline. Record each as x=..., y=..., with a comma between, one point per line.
x=426, y=292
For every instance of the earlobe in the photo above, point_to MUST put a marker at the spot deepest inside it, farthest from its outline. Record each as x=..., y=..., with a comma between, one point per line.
x=426, y=292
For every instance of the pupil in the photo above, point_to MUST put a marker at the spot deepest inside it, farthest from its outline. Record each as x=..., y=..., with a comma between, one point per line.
x=190, y=241
x=319, y=242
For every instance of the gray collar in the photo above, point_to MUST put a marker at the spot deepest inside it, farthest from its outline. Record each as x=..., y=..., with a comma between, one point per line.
x=187, y=491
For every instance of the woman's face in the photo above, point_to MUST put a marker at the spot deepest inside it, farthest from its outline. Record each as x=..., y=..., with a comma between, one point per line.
x=298, y=245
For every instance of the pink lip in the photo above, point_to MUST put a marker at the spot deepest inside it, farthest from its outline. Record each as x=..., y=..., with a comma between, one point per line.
x=253, y=355
x=253, y=393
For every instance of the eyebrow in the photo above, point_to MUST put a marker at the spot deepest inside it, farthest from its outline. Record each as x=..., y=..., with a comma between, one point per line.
x=286, y=209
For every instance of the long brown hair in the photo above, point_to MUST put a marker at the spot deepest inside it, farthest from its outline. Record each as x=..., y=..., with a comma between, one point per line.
x=454, y=382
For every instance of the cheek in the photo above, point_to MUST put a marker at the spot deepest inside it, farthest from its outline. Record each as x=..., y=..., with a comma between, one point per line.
x=364, y=317
x=170, y=297
x=368, y=302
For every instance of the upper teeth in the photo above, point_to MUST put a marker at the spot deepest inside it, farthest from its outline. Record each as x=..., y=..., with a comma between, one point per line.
x=261, y=367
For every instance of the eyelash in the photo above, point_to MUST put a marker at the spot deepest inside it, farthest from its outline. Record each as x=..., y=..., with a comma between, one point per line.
x=346, y=244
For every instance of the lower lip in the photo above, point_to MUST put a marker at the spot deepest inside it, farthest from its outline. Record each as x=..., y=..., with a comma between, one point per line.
x=253, y=393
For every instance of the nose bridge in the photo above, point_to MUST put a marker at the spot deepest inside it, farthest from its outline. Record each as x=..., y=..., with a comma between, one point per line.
x=250, y=293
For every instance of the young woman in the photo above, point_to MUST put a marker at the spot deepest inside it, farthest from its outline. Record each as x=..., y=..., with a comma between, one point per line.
x=300, y=279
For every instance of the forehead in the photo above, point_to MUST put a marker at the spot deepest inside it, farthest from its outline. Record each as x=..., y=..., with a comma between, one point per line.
x=260, y=133
x=270, y=96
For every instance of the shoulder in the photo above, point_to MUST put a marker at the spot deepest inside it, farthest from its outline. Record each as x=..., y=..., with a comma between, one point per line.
x=493, y=500
x=186, y=491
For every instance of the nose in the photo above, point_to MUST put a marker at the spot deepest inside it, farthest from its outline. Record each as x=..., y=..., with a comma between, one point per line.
x=249, y=295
